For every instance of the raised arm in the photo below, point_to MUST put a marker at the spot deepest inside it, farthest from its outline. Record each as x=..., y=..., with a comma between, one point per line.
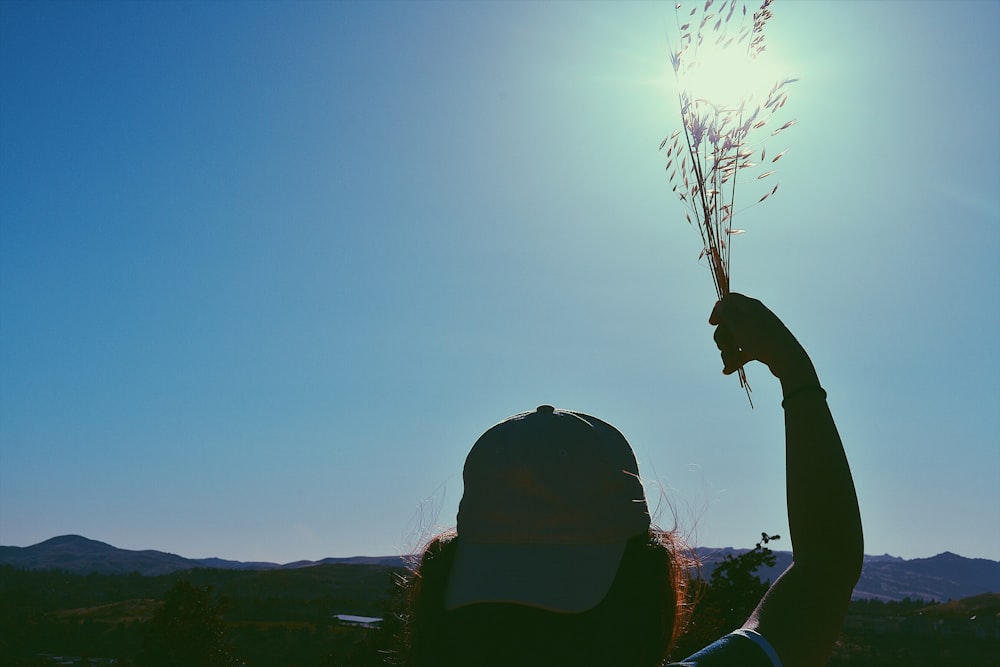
x=802, y=613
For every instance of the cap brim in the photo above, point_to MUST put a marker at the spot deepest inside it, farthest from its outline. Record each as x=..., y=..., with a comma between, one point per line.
x=566, y=578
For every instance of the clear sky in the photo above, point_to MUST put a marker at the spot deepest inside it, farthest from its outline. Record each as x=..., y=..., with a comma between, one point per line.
x=267, y=270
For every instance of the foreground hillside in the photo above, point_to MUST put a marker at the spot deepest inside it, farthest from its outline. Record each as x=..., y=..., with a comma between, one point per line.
x=287, y=618
x=272, y=618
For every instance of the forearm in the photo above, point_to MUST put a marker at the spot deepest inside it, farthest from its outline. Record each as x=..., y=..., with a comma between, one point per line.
x=802, y=612
x=823, y=514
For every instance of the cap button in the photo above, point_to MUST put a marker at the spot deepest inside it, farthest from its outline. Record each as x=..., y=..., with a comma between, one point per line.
x=545, y=409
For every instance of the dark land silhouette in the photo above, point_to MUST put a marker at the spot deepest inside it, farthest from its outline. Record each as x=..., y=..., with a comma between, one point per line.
x=286, y=616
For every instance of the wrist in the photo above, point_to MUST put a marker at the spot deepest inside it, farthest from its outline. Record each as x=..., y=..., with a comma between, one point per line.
x=793, y=382
x=805, y=393
x=796, y=371
x=800, y=382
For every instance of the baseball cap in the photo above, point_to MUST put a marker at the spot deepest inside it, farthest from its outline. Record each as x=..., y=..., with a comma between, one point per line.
x=551, y=499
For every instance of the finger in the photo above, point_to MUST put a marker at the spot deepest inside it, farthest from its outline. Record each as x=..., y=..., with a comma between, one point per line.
x=733, y=357
x=727, y=306
x=714, y=317
x=724, y=338
x=733, y=360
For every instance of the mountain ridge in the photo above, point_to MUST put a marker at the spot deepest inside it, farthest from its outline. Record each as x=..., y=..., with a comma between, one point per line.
x=946, y=576
x=83, y=555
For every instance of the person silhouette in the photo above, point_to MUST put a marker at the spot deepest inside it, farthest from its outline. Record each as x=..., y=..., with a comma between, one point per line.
x=555, y=561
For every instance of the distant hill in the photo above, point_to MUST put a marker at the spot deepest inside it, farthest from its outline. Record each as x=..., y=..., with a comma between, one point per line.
x=946, y=576
x=80, y=555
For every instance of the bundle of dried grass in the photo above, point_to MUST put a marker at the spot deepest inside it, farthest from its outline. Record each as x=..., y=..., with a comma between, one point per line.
x=718, y=145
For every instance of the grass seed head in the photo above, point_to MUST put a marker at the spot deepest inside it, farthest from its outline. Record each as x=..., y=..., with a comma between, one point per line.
x=718, y=140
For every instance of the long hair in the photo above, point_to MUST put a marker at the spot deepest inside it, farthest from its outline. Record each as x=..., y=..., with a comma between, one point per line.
x=635, y=625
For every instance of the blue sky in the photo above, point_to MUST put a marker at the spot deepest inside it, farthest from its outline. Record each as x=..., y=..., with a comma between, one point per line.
x=267, y=270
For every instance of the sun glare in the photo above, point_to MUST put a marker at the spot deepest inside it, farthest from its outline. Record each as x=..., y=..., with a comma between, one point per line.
x=728, y=76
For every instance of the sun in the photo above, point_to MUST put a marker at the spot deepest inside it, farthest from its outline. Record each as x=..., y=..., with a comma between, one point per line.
x=728, y=76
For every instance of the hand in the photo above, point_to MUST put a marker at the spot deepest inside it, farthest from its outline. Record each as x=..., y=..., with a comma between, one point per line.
x=746, y=330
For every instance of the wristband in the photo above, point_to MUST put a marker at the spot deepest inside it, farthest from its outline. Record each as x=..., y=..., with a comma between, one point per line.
x=808, y=389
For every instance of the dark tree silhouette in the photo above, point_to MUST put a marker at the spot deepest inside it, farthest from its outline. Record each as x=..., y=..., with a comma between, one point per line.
x=726, y=600
x=187, y=631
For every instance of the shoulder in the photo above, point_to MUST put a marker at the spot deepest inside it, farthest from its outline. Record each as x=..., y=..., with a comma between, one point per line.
x=742, y=648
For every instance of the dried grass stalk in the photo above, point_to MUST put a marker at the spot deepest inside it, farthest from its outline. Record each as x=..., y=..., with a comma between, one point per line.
x=717, y=143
